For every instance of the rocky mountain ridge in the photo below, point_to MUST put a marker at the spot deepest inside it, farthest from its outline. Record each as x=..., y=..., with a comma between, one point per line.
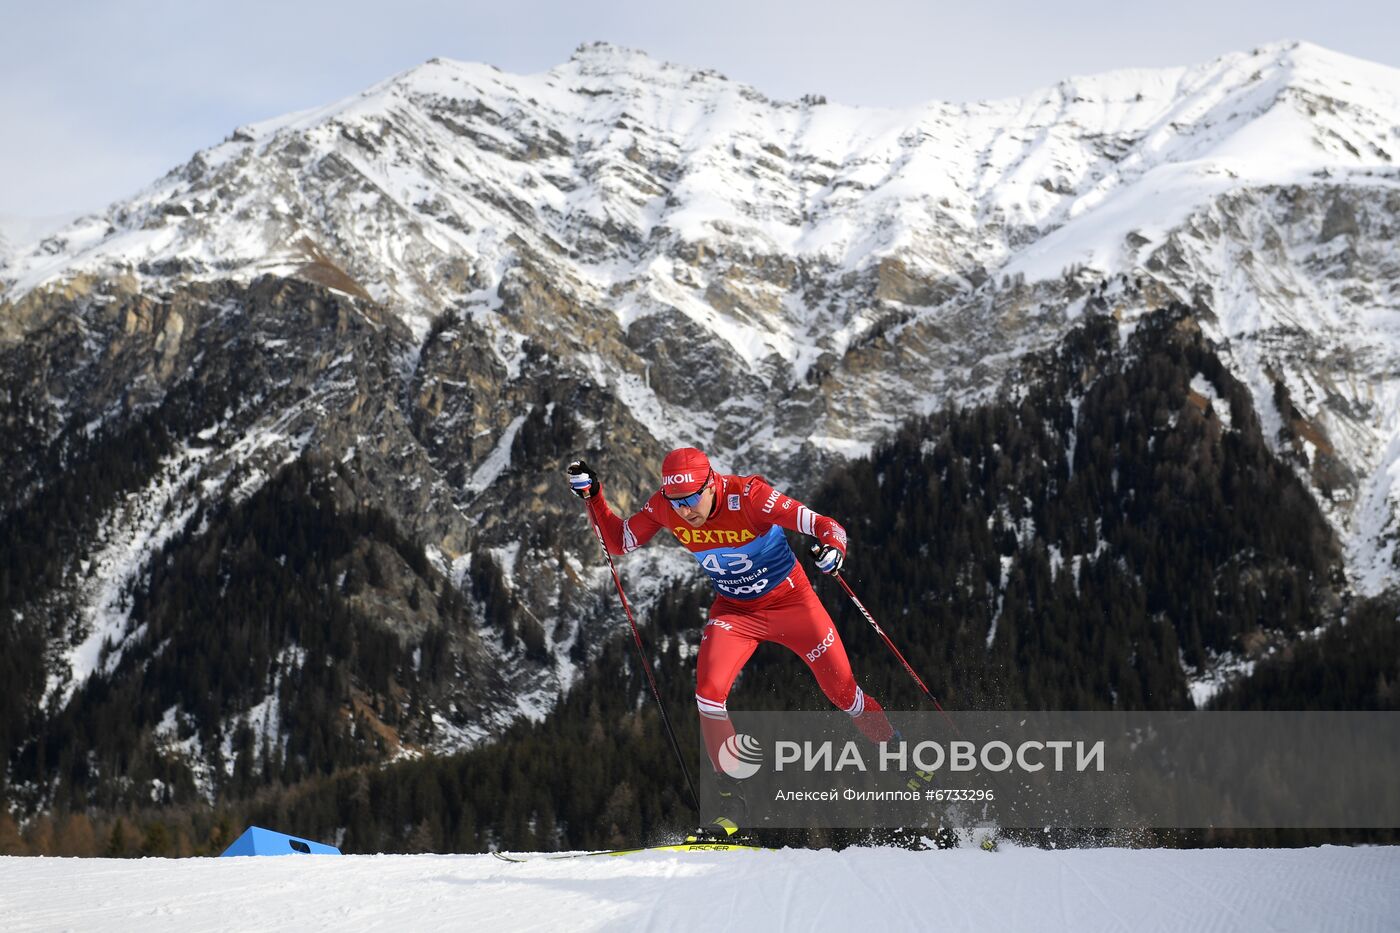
x=671, y=206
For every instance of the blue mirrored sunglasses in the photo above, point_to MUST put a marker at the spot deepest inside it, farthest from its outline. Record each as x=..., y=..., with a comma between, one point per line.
x=692, y=500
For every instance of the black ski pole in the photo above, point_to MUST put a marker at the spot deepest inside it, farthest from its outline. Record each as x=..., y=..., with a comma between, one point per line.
x=816, y=549
x=642, y=653
x=990, y=842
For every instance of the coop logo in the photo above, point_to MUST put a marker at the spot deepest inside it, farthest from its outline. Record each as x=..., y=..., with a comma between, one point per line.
x=826, y=643
x=740, y=756
x=675, y=478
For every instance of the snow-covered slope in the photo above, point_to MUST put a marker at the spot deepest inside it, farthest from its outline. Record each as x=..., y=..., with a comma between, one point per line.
x=1016, y=889
x=616, y=141
x=17, y=233
x=895, y=259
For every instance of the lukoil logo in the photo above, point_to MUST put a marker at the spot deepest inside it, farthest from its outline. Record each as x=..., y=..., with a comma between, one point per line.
x=675, y=478
x=772, y=501
x=821, y=648
x=740, y=756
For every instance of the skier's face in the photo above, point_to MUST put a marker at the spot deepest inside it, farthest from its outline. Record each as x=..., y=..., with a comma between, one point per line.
x=698, y=514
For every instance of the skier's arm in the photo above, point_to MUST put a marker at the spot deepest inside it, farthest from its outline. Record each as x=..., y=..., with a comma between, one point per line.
x=619, y=535
x=768, y=504
x=623, y=535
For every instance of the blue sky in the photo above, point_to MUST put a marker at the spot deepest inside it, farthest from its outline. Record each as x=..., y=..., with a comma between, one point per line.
x=99, y=98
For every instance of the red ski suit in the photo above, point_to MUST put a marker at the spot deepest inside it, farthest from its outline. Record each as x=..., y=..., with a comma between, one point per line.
x=762, y=594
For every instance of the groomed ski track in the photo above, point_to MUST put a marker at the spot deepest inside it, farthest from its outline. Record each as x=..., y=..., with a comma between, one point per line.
x=1328, y=888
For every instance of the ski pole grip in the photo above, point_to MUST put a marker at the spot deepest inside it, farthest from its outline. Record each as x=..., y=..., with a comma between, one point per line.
x=816, y=551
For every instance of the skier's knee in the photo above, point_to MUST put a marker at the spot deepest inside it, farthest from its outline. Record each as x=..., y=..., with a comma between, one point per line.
x=712, y=709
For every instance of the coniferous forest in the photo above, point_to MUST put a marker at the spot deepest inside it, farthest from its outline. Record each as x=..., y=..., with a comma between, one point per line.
x=1089, y=540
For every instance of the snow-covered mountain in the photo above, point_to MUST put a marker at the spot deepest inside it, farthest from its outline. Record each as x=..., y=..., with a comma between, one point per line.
x=633, y=254
x=794, y=236
x=16, y=232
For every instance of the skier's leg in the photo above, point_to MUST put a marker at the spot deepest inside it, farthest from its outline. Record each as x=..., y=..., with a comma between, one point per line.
x=803, y=625
x=725, y=646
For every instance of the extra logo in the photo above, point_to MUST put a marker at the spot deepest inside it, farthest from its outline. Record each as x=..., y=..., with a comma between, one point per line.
x=711, y=536
x=675, y=478
x=740, y=756
x=826, y=643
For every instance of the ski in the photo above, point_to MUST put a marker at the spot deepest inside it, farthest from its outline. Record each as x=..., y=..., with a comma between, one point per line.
x=676, y=847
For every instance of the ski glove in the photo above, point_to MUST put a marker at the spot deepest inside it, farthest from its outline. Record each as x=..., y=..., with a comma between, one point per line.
x=829, y=557
x=582, y=480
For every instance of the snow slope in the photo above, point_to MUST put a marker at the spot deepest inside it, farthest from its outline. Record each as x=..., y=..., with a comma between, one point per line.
x=17, y=232
x=1327, y=888
x=450, y=159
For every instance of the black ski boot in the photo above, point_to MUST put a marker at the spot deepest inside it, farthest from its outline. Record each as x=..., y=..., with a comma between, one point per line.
x=731, y=795
x=722, y=829
x=731, y=811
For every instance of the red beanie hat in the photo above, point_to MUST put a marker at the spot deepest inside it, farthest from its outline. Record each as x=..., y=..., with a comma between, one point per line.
x=684, y=472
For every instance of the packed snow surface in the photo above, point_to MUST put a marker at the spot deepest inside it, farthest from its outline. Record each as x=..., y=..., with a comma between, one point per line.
x=1328, y=888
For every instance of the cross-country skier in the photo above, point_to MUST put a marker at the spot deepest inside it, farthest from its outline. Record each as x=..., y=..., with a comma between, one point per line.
x=733, y=525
